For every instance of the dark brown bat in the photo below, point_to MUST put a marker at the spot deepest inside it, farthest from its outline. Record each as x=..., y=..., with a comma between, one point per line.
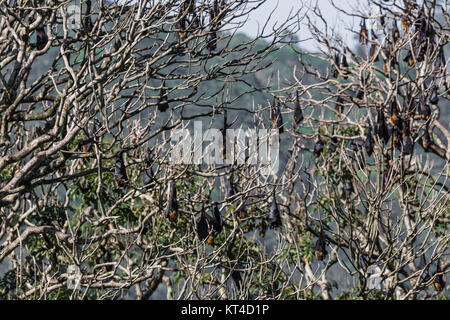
x=407, y=142
x=41, y=38
x=172, y=203
x=320, y=250
x=423, y=109
x=148, y=175
x=276, y=119
x=425, y=141
x=339, y=105
x=433, y=95
x=439, y=280
x=395, y=32
x=274, y=217
x=202, y=226
x=216, y=224
x=369, y=142
x=363, y=35
x=120, y=171
x=393, y=112
x=318, y=147
x=163, y=103
x=344, y=66
x=298, y=114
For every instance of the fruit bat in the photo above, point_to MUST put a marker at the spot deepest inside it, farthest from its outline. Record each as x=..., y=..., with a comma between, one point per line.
x=202, y=226
x=339, y=106
x=423, y=265
x=382, y=18
x=276, y=119
x=211, y=40
x=41, y=38
x=333, y=144
x=336, y=65
x=216, y=224
x=369, y=143
x=318, y=148
x=439, y=281
x=120, y=171
x=393, y=112
x=172, y=203
x=396, y=137
x=320, y=249
x=163, y=104
x=405, y=20
x=274, y=217
x=423, y=109
x=395, y=32
x=262, y=231
x=298, y=114
x=189, y=6
x=148, y=175
x=407, y=141
x=180, y=25
x=344, y=66
x=195, y=22
x=425, y=141
x=409, y=58
x=363, y=32
x=433, y=96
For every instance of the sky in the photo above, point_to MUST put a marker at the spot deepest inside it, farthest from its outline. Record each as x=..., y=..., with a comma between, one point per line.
x=334, y=18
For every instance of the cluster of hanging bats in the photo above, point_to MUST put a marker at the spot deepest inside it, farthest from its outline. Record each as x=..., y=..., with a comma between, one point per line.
x=210, y=226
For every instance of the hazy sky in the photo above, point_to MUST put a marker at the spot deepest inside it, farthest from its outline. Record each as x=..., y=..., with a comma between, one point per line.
x=283, y=8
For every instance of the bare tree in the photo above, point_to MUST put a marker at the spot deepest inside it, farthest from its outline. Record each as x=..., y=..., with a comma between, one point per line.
x=88, y=178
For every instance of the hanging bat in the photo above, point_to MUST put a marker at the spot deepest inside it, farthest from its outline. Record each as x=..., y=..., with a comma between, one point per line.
x=320, y=249
x=407, y=142
x=41, y=38
x=120, y=171
x=339, y=105
x=363, y=35
x=409, y=58
x=216, y=224
x=344, y=66
x=298, y=114
x=333, y=144
x=336, y=60
x=369, y=142
x=382, y=18
x=425, y=141
x=393, y=112
x=274, y=217
x=423, y=109
x=148, y=175
x=439, y=280
x=276, y=119
x=202, y=226
x=163, y=104
x=423, y=265
x=189, y=6
x=395, y=32
x=405, y=19
x=318, y=148
x=172, y=203
x=211, y=40
x=433, y=96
